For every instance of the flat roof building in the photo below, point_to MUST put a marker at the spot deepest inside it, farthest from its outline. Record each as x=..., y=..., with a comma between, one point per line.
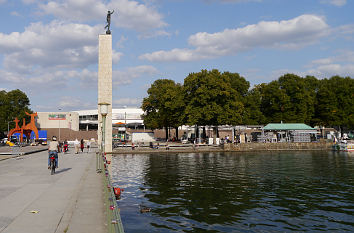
x=55, y=120
x=88, y=119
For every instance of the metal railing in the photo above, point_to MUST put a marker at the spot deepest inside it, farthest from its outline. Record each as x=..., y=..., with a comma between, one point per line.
x=16, y=150
x=98, y=162
x=113, y=213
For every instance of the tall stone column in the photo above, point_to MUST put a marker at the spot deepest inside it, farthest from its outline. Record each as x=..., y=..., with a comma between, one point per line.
x=105, y=87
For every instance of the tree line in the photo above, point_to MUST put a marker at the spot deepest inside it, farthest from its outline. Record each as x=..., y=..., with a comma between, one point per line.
x=13, y=104
x=212, y=98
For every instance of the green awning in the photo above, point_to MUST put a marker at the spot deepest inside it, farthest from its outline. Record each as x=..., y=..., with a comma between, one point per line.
x=288, y=126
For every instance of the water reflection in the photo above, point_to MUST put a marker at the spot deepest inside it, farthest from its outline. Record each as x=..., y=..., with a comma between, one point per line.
x=229, y=192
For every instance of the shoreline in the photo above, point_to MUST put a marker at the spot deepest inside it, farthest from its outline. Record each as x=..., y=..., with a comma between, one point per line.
x=246, y=147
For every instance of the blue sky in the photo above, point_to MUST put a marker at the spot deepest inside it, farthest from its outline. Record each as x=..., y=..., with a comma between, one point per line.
x=48, y=49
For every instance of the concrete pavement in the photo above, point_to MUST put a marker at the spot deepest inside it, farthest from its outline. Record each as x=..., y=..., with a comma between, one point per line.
x=7, y=152
x=33, y=201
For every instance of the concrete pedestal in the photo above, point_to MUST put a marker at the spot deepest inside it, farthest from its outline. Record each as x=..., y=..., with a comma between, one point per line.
x=105, y=87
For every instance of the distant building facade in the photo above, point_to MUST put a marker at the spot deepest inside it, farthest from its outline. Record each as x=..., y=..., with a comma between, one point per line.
x=88, y=119
x=54, y=120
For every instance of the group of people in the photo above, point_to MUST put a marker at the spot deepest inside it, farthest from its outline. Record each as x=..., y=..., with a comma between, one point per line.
x=56, y=147
x=80, y=145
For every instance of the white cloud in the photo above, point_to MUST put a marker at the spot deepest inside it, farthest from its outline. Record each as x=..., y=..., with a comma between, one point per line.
x=128, y=102
x=125, y=77
x=119, y=77
x=134, y=15
x=156, y=33
x=181, y=55
x=120, y=43
x=335, y=2
x=342, y=64
x=71, y=102
x=294, y=33
x=79, y=10
x=127, y=13
x=345, y=31
x=29, y=1
x=15, y=13
x=233, y=1
x=330, y=70
x=56, y=44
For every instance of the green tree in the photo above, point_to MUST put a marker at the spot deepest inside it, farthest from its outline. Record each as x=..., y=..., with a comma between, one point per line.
x=275, y=103
x=301, y=106
x=211, y=99
x=13, y=104
x=311, y=87
x=335, y=102
x=164, y=105
x=290, y=98
x=253, y=114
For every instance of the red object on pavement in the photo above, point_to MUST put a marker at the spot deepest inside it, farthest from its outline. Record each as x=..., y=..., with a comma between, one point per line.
x=108, y=162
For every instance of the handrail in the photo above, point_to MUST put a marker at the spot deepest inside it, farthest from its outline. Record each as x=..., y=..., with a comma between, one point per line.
x=115, y=224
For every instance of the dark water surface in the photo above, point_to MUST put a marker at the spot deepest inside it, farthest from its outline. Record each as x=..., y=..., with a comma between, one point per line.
x=237, y=192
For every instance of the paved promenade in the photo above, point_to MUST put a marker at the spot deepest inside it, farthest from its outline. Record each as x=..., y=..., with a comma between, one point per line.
x=33, y=201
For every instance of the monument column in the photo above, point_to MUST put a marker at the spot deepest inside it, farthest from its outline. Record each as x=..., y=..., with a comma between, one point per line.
x=105, y=87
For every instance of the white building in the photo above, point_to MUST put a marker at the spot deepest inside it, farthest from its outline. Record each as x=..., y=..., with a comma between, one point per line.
x=88, y=119
x=121, y=117
x=55, y=120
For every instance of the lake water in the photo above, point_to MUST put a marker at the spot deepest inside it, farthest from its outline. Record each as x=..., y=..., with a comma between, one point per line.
x=236, y=192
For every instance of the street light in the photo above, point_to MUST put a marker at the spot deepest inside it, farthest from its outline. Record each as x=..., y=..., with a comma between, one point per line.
x=104, y=112
x=59, y=122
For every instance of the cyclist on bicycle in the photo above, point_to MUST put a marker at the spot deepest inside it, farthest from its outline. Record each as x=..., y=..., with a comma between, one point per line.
x=53, y=149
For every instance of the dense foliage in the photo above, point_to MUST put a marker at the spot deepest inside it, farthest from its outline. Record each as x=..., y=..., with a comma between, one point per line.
x=164, y=107
x=13, y=104
x=213, y=98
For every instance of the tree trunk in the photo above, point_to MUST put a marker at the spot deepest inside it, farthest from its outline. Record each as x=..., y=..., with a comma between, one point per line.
x=196, y=133
x=176, y=132
x=214, y=134
x=166, y=133
x=204, y=133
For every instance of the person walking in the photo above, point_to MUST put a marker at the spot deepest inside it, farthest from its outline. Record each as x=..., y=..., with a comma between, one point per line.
x=82, y=144
x=76, y=144
x=88, y=144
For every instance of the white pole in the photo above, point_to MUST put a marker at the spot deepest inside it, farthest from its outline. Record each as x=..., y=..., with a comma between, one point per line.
x=59, y=122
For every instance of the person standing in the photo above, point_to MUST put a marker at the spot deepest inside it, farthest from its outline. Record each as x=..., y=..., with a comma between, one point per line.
x=88, y=144
x=82, y=144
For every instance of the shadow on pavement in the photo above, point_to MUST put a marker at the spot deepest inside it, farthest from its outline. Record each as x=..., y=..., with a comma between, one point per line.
x=62, y=170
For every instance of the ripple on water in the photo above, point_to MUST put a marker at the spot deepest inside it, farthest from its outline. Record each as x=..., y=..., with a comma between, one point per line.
x=225, y=192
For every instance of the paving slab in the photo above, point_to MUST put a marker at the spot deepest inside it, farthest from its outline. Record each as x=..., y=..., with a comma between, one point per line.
x=13, y=151
x=32, y=200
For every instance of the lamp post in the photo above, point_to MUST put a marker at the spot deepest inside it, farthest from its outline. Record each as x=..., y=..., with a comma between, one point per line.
x=104, y=112
x=125, y=128
x=59, y=122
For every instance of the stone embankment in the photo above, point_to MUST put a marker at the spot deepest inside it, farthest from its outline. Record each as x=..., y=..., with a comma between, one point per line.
x=278, y=146
x=243, y=147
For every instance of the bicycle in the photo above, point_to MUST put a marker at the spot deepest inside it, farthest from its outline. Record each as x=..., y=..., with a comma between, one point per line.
x=52, y=163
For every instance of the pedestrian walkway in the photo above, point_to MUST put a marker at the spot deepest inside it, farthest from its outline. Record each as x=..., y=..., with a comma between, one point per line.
x=33, y=201
x=7, y=152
